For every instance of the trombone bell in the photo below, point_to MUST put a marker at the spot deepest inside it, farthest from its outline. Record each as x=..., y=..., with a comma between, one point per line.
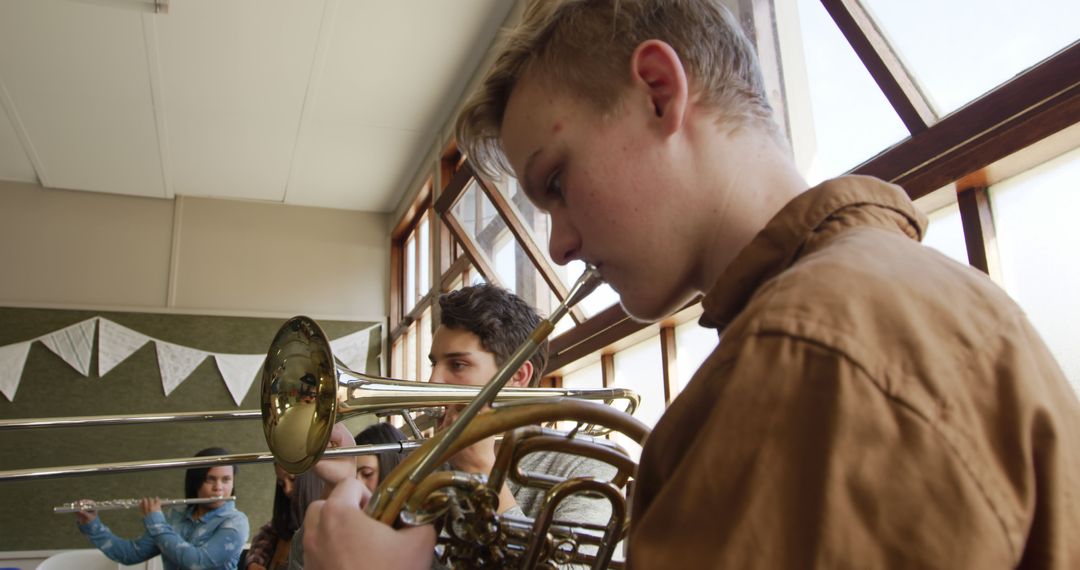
x=299, y=394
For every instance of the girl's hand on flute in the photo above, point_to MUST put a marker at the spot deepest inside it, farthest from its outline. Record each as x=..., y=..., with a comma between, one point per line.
x=87, y=515
x=149, y=505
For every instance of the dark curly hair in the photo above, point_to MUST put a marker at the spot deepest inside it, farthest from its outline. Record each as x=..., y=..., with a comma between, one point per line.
x=501, y=319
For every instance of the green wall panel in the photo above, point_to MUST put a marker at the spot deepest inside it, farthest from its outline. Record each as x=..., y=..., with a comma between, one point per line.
x=51, y=388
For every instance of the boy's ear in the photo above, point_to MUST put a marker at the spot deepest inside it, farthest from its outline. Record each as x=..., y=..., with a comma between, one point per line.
x=656, y=68
x=521, y=378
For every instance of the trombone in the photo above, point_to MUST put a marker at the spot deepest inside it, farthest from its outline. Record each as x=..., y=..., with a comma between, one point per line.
x=305, y=390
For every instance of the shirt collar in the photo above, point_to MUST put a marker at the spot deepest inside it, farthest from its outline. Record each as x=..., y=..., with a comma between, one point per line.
x=781, y=242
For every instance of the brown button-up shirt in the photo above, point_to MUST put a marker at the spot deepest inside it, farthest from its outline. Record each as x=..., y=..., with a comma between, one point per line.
x=871, y=404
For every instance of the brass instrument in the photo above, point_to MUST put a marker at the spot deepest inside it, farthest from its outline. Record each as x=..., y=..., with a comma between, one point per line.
x=305, y=391
x=474, y=535
x=120, y=504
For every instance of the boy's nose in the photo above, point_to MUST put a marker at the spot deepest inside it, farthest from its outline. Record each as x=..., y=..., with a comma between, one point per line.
x=565, y=243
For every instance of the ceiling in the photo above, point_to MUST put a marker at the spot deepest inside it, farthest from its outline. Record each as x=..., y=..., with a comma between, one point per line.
x=329, y=103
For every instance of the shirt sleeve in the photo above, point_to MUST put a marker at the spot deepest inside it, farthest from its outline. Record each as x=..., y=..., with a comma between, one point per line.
x=116, y=548
x=578, y=508
x=223, y=546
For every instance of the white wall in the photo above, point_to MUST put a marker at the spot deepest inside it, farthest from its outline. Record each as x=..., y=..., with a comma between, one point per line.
x=69, y=249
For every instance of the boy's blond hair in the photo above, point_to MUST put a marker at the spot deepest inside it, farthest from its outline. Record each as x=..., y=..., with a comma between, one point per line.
x=583, y=47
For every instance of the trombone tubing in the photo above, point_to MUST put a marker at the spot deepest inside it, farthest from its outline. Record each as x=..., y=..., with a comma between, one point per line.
x=86, y=421
x=189, y=462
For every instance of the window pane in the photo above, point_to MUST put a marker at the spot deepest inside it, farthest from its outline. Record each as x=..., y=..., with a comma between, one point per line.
x=489, y=234
x=1037, y=243
x=587, y=377
x=693, y=343
x=410, y=273
x=639, y=368
x=852, y=120
x=425, y=258
x=960, y=49
x=590, y=376
x=946, y=232
x=505, y=266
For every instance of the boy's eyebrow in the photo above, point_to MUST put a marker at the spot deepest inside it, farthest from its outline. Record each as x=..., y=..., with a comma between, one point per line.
x=431, y=356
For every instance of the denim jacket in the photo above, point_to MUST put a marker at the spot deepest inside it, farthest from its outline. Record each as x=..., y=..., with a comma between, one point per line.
x=213, y=541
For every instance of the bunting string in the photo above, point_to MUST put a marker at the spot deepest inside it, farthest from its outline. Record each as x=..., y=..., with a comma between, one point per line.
x=74, y=345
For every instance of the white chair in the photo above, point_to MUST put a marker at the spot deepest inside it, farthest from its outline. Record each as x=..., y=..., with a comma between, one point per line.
x=89, y=559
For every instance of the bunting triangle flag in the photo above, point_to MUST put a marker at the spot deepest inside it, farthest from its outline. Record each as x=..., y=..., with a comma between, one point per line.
x=176, y=363
x=239, y=371
x=115, y=344
x=12, y=359
x=74, y=344
x=352, y=349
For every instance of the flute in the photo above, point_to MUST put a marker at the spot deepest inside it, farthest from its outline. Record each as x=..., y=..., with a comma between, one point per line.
x=117, y=504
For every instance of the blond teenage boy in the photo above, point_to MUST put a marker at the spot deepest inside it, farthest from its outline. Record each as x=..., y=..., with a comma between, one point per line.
x=871, y=403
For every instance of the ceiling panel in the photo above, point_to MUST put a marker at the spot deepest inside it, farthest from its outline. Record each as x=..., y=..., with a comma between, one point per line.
x=346, y=165
x=78, y=83
x=397, y=64
x=234, y=77
x=330, y=103
x=390, y=75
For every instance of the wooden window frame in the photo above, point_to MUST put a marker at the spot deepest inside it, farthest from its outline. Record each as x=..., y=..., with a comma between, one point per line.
x=669, y=362
x=881, y=60
x=980, y=235
x=460, y=181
